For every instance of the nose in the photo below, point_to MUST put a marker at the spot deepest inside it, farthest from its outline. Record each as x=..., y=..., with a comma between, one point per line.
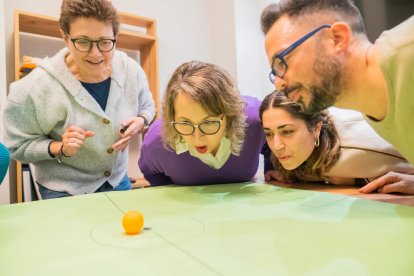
x=95, y=50
x=280, y=83
x=277, y=143
x=197, y=134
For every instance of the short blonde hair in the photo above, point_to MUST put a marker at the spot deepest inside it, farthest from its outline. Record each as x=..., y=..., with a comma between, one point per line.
x=214, y=89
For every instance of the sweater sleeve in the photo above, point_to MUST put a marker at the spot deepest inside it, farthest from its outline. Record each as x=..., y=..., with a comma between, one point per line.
x=153, y=155
x=148, y=168
x=145, y=100
x=23, y=135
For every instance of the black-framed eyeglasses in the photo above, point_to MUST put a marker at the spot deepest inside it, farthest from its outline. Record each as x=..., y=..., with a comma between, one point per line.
x=85, y=45
x=279, y=64
x=208, y=127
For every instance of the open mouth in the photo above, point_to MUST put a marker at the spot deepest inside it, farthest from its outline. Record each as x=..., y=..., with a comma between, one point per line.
x=202, y=149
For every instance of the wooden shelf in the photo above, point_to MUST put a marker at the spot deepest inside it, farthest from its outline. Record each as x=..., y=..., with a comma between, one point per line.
x=133, y=41
x=145, y=41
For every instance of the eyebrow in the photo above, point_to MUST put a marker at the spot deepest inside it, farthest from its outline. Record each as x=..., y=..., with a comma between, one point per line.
x=184, y=118
x=87, y=37
x=279, y=127
x=285, y=125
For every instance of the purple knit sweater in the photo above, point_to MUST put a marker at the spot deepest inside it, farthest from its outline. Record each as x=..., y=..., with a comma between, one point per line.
x=161, y=166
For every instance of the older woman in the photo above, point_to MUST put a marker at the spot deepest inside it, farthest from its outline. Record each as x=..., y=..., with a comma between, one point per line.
x=65, y=117
x=339, y=149
x=208, y=133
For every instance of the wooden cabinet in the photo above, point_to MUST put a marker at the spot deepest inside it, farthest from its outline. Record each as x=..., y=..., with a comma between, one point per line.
x=136, y=33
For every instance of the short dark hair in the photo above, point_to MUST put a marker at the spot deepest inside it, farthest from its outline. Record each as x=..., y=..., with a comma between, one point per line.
x=101, y=10
x=344, y=10
x=324, y=156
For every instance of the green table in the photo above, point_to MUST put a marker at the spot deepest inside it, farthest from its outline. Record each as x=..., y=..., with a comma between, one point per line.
x=230, y=229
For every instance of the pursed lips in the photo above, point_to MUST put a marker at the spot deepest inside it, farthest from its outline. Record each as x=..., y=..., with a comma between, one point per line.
x=283, y=157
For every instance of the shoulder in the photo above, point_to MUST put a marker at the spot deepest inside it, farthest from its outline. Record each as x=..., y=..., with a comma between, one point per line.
x=30, y=86
x=152, y=138
x=252, y=103
x=355, y=133
x=122, y=59
x=350, y=124
x=251, y=110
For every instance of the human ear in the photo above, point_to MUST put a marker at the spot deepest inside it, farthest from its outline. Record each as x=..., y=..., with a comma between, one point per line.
x=64, y=37
x=317, y=129
x=341, y=34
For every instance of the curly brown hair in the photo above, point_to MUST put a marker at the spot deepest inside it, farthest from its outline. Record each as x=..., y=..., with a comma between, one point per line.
x=324, y=156
x=101, y=10
x=214, y=89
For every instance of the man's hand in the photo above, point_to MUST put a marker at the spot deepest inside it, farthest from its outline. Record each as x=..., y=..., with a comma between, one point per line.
x=391, y=182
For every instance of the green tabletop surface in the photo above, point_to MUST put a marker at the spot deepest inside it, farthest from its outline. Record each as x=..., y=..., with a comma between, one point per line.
x=228, y=229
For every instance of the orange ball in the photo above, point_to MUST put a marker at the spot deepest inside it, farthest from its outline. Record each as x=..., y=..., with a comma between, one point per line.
x=133, y=221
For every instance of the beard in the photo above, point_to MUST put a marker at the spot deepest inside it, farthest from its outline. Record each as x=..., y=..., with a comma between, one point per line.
x=326, y=93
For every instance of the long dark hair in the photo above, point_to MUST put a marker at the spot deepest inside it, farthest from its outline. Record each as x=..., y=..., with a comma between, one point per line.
x=323, y=156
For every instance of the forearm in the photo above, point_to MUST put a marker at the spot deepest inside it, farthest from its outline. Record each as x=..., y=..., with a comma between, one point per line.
x=146, y=105
x=54, y=148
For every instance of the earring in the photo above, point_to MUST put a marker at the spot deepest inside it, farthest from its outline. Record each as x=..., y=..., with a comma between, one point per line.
x=317, y=141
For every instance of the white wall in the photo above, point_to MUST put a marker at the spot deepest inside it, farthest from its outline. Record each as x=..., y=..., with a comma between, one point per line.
x=252, y=65
x=223, y=24
x=224, y=32
x=183, y=29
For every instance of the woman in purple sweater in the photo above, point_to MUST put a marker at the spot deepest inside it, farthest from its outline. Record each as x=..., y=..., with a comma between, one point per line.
x=208, y=133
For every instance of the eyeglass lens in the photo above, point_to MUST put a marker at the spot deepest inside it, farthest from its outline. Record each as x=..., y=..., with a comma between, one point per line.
x=85, y=45
x=208, y=127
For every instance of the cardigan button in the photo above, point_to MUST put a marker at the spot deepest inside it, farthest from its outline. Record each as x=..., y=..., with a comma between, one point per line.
x=110, y=150
x=105, y=121
x=107, y=173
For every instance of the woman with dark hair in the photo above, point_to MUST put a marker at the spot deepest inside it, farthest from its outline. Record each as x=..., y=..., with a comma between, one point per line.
x=66, y=116
x=338, y=147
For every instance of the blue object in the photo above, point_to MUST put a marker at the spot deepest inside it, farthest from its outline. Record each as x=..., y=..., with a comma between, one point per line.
x=99, y=91
x=4, y=161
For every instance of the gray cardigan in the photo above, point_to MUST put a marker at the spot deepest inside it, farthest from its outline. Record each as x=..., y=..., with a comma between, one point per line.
x=50, y=99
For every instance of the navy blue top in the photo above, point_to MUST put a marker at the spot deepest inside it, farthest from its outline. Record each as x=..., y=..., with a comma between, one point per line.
x=99, y=91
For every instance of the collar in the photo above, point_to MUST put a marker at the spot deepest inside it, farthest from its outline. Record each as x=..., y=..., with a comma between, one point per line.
x=216, y=162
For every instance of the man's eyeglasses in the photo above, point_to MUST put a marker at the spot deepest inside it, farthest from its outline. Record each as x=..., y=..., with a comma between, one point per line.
x=209, y=127
x=279, y=64
x=85, y=45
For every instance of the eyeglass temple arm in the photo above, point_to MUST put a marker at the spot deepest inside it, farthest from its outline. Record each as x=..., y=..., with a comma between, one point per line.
x=303, y=38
